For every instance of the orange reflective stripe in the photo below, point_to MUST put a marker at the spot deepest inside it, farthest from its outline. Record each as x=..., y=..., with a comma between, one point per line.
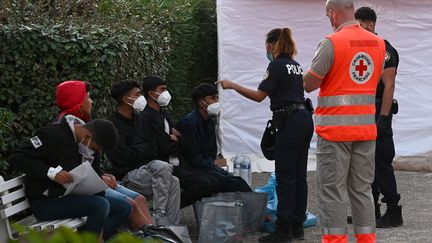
x=346, y=133
x=366, y=238
x=334, y=238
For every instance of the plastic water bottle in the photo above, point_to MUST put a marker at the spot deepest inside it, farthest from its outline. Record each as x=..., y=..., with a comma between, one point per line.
x=242, y=167
x=236, y=165
x=246, y=170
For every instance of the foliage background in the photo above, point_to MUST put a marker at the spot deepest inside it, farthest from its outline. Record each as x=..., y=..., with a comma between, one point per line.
x=45, y=42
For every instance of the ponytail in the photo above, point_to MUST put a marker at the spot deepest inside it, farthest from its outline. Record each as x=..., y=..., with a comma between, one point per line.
x=283, y=42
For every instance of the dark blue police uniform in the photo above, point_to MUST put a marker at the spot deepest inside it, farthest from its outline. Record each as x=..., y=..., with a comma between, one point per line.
x=385, y=182
x=284, y=84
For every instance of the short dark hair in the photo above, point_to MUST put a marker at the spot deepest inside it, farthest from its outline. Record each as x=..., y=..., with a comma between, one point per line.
x=365, y=14
x=104, y=133
x=120, y=89
x=150, y=83
x=203, y=90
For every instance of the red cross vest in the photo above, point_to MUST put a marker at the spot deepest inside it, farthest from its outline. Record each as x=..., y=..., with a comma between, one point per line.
x=346, y=102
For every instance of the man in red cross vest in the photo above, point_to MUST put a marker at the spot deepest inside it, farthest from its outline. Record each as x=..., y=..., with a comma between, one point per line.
x=346, y=68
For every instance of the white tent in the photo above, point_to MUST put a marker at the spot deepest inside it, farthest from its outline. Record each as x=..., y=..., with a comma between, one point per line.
x=242, y=26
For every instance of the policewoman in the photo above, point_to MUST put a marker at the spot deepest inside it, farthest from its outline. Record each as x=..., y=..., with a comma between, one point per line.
x=283, y=84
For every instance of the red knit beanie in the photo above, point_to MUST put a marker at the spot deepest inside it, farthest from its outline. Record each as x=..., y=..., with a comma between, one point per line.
x=69, y=97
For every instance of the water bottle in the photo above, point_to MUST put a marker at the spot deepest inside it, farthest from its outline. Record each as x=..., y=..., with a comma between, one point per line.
x=236, y=164
x=246, y=170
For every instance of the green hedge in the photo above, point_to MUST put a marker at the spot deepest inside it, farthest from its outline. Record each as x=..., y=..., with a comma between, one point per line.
x=46, y=42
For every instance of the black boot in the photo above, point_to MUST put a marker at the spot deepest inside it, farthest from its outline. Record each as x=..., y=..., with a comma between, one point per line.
x=392, y=217
x=298, y=231
x=282, y=234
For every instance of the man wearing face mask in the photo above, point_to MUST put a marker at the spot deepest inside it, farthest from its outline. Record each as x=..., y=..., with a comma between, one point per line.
x=134, y=158
x=195, y=184
x=198, y=129
x=46, y=159
x=347, y=67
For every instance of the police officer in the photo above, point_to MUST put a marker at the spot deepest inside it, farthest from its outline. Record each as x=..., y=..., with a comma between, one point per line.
x=283, y=83
x=385, y=181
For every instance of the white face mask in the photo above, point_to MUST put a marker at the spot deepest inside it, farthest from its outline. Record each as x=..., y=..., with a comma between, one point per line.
x=139, y=103
x=213, y=109
x=86, y=152
x=164, y=98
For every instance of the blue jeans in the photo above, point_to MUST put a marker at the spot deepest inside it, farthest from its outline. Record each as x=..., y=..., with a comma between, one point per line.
x=102, y=213
x=121, y=192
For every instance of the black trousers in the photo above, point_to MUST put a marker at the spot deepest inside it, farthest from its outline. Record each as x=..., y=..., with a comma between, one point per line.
x=195, y=185
x=385, y=181
x=229, y=183
x=292, y=145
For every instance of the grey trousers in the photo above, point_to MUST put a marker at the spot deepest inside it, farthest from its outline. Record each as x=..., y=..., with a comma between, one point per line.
x=156, y=179
x=345, y=172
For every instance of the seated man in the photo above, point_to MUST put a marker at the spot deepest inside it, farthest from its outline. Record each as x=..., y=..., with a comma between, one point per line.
x=133, y=158
x=46, y=159
x=198, y=129
x=194, y=184
x=73, y=98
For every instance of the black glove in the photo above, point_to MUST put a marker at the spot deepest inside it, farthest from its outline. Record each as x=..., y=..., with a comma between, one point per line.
x=383, y=125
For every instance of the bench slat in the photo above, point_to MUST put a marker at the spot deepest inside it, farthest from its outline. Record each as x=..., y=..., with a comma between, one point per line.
x=70, y=223
x=7, y=212
x=7, y=185
x=12, y=196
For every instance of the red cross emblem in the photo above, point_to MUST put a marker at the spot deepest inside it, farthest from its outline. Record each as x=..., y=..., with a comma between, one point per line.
x=361, y=67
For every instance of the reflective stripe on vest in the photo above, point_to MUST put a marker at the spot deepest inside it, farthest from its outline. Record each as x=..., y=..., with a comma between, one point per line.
x=345, y=120
x=346, y=100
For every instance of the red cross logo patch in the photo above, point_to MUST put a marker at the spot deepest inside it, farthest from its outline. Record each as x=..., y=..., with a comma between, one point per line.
x=361, y=68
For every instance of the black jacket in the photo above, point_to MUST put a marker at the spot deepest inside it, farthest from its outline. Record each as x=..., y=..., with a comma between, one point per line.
x=49, y=147
x=134, y=148
x=200, y=137
x=166, y=146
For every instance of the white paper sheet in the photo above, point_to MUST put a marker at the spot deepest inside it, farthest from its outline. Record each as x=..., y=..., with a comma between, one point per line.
x=85, y=181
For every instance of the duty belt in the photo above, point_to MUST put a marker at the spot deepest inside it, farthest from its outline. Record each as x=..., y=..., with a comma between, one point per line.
x=291, y=107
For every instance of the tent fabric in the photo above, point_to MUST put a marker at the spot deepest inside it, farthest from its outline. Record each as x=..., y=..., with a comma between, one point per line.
x=242, y=26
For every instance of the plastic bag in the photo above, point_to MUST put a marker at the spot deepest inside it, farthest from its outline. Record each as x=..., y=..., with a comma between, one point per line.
x=219, y=221
x=254, y=208
x=272, y=201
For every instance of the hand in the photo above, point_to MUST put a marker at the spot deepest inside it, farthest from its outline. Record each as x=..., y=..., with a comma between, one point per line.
x=63, y=177
x=110, y=180
x=175, y=138
x=175, y=132
x=226, y=84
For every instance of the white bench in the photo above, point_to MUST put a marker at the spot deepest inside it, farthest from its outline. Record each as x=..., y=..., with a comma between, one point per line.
x=14, y=201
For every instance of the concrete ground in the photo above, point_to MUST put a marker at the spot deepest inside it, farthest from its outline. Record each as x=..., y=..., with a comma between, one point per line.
x=414, y=187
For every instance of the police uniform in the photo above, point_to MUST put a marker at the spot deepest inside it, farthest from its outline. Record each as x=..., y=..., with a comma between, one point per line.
x=385, y=182
x=284, y=84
